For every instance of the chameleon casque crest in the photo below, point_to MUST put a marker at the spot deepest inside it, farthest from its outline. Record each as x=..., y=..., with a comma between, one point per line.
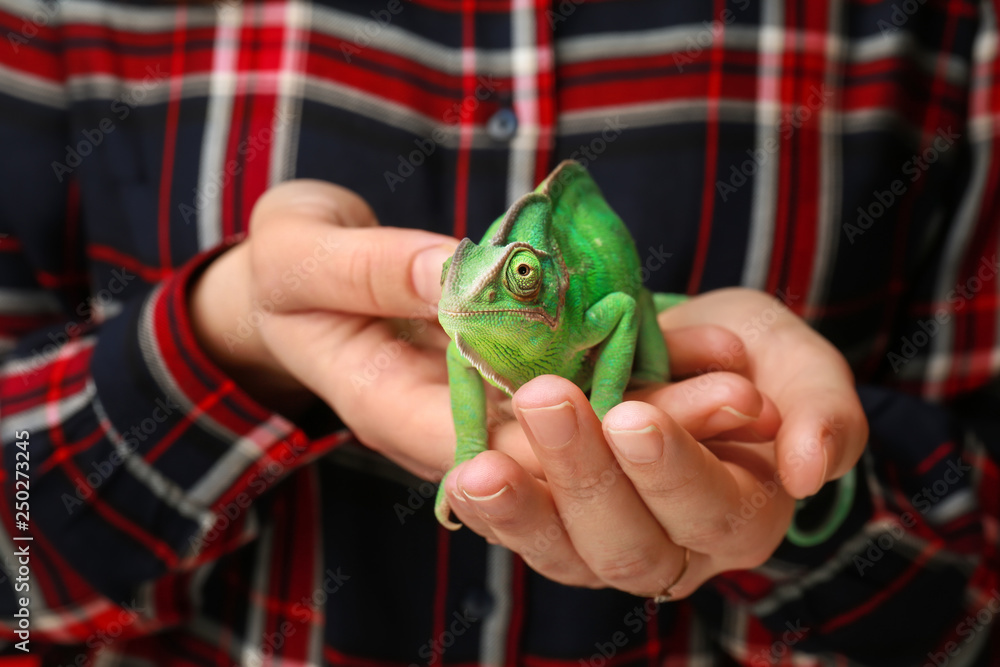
x=553, y=288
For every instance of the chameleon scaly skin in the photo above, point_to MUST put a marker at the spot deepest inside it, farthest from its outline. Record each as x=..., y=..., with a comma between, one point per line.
x=553, y=288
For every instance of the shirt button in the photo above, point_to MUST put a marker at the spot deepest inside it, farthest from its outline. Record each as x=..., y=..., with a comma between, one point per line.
x=502, y=125
x=477, y=604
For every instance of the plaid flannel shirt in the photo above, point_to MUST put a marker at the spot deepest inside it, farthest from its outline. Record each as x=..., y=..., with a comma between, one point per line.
x=844, y=156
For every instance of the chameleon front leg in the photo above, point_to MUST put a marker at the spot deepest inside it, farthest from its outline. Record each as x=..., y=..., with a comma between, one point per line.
x=652, y=363
x=468, y=408
x=612, y=323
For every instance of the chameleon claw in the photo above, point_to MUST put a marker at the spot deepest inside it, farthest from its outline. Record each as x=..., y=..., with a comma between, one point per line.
x=442, y=510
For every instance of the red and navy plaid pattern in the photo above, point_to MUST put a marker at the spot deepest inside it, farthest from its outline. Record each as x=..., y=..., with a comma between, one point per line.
x=845, y=156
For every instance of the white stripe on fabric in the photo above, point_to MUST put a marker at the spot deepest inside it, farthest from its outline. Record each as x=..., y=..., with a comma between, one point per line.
x=31, y=88
x=828, y=204
x=499, y=578
x=16, y=301
x=677, y=39
x=527, y=57
x=760, y=237
x=288, y=109
x=317, y=631
x=253, y=649
x=158, y=484
x=222, y=86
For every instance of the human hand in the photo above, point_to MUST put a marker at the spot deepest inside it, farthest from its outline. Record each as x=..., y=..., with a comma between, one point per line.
x=637, y=503
x=824, y=429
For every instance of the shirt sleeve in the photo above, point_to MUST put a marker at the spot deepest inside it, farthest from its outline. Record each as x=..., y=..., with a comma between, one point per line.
x=139, y=460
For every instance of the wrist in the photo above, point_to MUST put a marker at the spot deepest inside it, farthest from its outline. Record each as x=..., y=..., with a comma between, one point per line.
x=226, y=325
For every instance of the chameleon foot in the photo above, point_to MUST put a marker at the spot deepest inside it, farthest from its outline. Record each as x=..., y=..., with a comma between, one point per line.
x=442, y=510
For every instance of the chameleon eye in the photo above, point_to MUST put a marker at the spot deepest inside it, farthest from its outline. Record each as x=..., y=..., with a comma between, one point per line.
x=523, y=277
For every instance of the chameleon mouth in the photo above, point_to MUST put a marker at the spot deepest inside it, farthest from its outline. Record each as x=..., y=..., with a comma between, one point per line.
x=536, y=314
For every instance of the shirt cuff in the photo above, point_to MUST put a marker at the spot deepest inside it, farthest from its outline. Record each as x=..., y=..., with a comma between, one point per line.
x=198, y=449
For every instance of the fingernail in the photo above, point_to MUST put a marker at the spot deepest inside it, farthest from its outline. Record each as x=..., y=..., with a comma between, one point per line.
x=722, y=419
x=499, y=504
x=552, y=427
x=736, y=413
x=427, y=272
x=641, y=446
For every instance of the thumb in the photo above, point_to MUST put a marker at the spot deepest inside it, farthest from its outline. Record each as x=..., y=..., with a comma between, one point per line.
x=319, y=247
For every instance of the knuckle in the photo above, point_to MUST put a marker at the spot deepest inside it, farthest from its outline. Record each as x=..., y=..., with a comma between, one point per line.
x=506, y=523
x=585, y=487
x=626, y=570
x=671, y=487
x=704, y=536
x=558, y=569
x=361, y=273
x=729, y=389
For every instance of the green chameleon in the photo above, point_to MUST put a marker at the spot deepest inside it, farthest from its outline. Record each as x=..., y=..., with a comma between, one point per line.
x=554, y=288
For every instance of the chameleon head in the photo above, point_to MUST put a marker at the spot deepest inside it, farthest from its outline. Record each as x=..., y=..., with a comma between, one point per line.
x=501, y=301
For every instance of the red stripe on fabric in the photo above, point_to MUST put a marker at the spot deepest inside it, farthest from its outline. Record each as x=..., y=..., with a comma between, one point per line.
x=498, y=6
x=203, y=406
x=10, y=244
x=517, y=604
x=53, y=395
x=34, y=57
x=786, y=154
x=53, y=281
x=801, y=253
x=170, y=137
x=109, y=255
x=652, y=635
x=711, y=155
x=942, y=451
x=293, y=565
x=651, y=66
x=410, y=77
x=69, y=450
x=883, y=593
x=440, y=612
x=465, y=123
x=545, y=82
x=685, y=88
x=254, y=176
x=106, y=35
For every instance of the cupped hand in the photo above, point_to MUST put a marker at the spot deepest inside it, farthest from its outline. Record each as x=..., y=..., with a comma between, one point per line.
x=637, y=504
x=320, y=301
